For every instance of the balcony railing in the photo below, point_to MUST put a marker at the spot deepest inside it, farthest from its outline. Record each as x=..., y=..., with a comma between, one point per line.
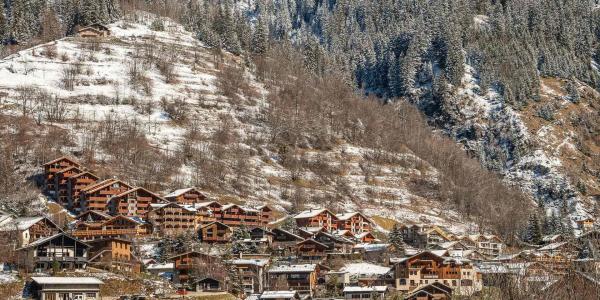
x=60, y=259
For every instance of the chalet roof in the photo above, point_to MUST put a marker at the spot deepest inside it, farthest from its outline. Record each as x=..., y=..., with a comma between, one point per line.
x=67, y=280
x=99, y=213
x=207, y=203
x=128, y=218
x=95, y=26
x=484, y=237
x=371, y=247
x=553, y=246
x=69, y=169
x=49, y=238
x=312, y=241
x=348, y=215
x=62, y=158
x=211, y=223
x=159, y=266
x=312, y=213
x=285, y=232
x=439, y=253
x=336, y=238
x=306, y=268
x=437, y=286
x=179, y=192
x=97, y=184
x=364, y=234
x=103, y=184
x=266, y=231
x=365, y=289
x=246, y=261
x=24, y=223
x=278, y=295
x=84, y=173
x=551, y=237
x=142, y=189
x=190, y=252
x=156, y=206
x=365, y=269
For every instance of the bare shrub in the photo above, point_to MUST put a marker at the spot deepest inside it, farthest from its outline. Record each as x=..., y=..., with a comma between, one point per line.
x=50, y=51
x=176, y=109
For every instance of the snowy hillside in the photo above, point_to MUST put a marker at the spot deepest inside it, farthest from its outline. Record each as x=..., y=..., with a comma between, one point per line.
x=165, y=84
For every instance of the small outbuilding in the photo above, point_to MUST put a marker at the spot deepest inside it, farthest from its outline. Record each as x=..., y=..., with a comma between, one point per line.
x=58, y=288
x=93, y=30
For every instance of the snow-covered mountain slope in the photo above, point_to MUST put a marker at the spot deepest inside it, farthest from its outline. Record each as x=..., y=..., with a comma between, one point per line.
x=548, y=148
x=142, y=91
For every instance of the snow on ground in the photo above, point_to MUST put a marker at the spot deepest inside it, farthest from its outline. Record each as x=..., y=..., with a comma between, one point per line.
x=104, y=89
x=538, y=168
x=8, y=278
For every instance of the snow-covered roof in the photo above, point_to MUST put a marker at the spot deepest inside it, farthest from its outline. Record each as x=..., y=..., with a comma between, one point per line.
x=179, y=192
x=371, y=247
x=67, y=280
x=293, y=268
x=255, y=262
x=49, y=238
x=358, y=289
x=550, y=237
x=365, y=269
x=21, y=223
x=346, y=216
x=364, y=234
x=159, y=266
x=552, y=246
x=311, y=213
x=278, y=295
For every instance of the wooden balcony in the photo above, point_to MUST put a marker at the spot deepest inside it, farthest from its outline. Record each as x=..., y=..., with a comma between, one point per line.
x=110, y=232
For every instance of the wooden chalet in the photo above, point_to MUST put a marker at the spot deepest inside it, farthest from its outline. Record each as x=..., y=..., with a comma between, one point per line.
x=113, y=227
x=53, y=166
x=64, y=288
x=21, y=232
x=309, y=232
x=113, y=254
x=561, y=249
x=252, y=273
x=424, y=236
x=236, y=215
x=186, y=264
x=428, y=267
x=354, y=222
x=134, y=202
x=97, y=196
x=317, y=218
x=93, y=31
x=207, y=212
x=75, y=184
x=302, y=278
x=266, y=214
x=186, y=196
x=215, y=232
x=61, y=184
x=207, y=284
x=171, y=218
x=585, y=224
x=284, y=242
x=527, y=276
x=334, y=243
x=311, y=251
x=60, y=250
x=489, y=245
x=366, y=237
x=279, y=295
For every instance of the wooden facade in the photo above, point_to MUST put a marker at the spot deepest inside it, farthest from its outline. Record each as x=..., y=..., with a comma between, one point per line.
x=61, y=184
x=284, y=242
x=93, y=31
x=236, y=215
x=427, y=267
x=215, y=232
x=117, y=226
x=354, y=222
x=53, y=166
x=75, y=184
x=21, y=232
x=134, y=202
x=311, y=250
x=302, y=278
x=113, y=254
x=184, y=265
x=61, y=250
x=171, y=218
x=317, y=218
x=97, y=196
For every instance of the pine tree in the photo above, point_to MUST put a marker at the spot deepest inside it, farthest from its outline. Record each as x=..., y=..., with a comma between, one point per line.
x=22, y=25
x=237, y=241
x=534, y=230
x=234, y=281
x=395, y=238
x=3, y=24
x=394, y=77
x=260, y=38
